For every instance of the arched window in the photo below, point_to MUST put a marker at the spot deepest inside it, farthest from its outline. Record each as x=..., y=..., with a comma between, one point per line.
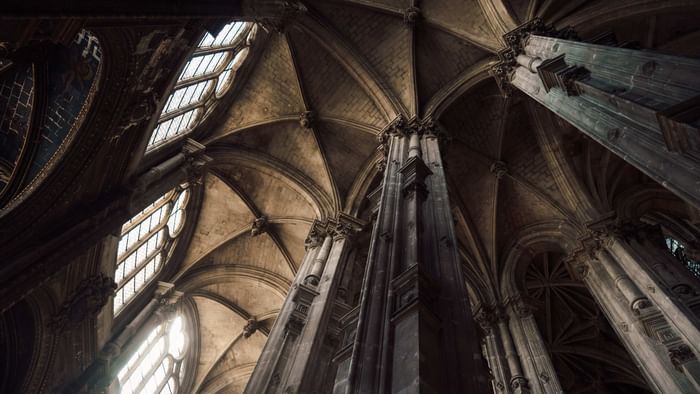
x=204, y=79
x=158, y=365
x=145, y=244
x=678, y=250
x=34, y=137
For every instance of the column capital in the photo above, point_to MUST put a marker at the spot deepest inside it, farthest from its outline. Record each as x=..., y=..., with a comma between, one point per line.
x=521, y=306
x=316, y=234
x=515, y=42
x=485, y=316
x=278, y=14
x=345, y=226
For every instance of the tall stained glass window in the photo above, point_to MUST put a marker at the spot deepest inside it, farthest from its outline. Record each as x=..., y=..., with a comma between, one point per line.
x=158, y=365
x=145, y=244
x=206, y=76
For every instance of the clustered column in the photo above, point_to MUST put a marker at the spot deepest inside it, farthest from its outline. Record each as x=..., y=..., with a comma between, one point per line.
x=415, y=332
x=302, y=334
x=642, y=105
x=649, y=298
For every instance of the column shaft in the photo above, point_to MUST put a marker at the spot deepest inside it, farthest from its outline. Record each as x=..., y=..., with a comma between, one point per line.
x=642, y=105
x=415, y=333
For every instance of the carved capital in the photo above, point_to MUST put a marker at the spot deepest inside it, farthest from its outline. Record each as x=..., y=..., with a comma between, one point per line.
x=515, y=42
x=521, y=307
x=84, y=303
x=281, y=13
x=486, y=318
x=315, y=237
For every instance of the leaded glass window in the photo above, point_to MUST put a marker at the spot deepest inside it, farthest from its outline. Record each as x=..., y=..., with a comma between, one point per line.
x=678, y=250
x=206, y=76
x=145, y=244
x=157, y=366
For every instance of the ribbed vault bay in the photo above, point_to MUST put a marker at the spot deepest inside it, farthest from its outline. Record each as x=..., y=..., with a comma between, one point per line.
x=299, y=143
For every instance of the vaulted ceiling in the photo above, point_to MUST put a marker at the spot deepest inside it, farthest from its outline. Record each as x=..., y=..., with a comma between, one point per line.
x=348, y=68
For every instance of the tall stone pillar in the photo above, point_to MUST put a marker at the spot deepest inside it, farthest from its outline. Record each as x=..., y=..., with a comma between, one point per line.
x=534, y=356
x=415, y=332
x=642, y=105
x=493, y=349
x=630, y=314
x=299, y=337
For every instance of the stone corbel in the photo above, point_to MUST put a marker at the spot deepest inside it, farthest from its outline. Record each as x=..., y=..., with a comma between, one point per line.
x=86, y=301
x=274, y=15
x=316, y=234
x=346, y=226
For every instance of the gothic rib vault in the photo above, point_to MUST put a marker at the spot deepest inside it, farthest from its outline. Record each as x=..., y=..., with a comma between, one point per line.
x=299, y=143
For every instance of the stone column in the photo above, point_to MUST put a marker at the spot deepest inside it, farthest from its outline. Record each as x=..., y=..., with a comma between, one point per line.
x=637, y=249
x=300, y=334
x=415, y=331
x=629, y=313
x=493, y=349
x=534, y=357
x=642, y=105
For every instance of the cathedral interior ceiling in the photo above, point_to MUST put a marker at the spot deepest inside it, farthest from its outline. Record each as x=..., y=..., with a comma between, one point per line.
x=299, y=143
x=355, y=65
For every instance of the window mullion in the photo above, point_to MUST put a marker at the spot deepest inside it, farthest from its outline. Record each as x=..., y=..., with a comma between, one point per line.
x=146, y=214
x=142, y=357
x=175, y=113
x=145, y=239
x=140, y=266
x=155, y=366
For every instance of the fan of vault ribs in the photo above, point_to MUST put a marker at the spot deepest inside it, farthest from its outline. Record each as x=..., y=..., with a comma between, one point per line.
x=299, y=143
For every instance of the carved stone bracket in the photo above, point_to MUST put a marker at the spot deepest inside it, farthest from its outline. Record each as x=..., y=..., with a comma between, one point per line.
x=521, y=306
x=85, y=302
x=345, y=226
x=316, y=234
x=486, y=318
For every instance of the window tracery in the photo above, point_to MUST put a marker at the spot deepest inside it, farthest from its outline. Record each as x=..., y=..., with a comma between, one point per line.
x=677, y=249
x=145, y=244
x=206, y=77
x=158, y=365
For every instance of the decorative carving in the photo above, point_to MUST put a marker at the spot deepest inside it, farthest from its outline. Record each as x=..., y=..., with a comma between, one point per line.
x=639, y=304
x=251, y=327
x=307, y=119
x=314, y=238
x=286, y=14
x=499, y=169
x=259, y=226
x=515, y=42
x=411, y=15
x=680, y=355
x=556, y=73
x=521, y=307
x=519, y=385
x=486, y=318
x=86, y=302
